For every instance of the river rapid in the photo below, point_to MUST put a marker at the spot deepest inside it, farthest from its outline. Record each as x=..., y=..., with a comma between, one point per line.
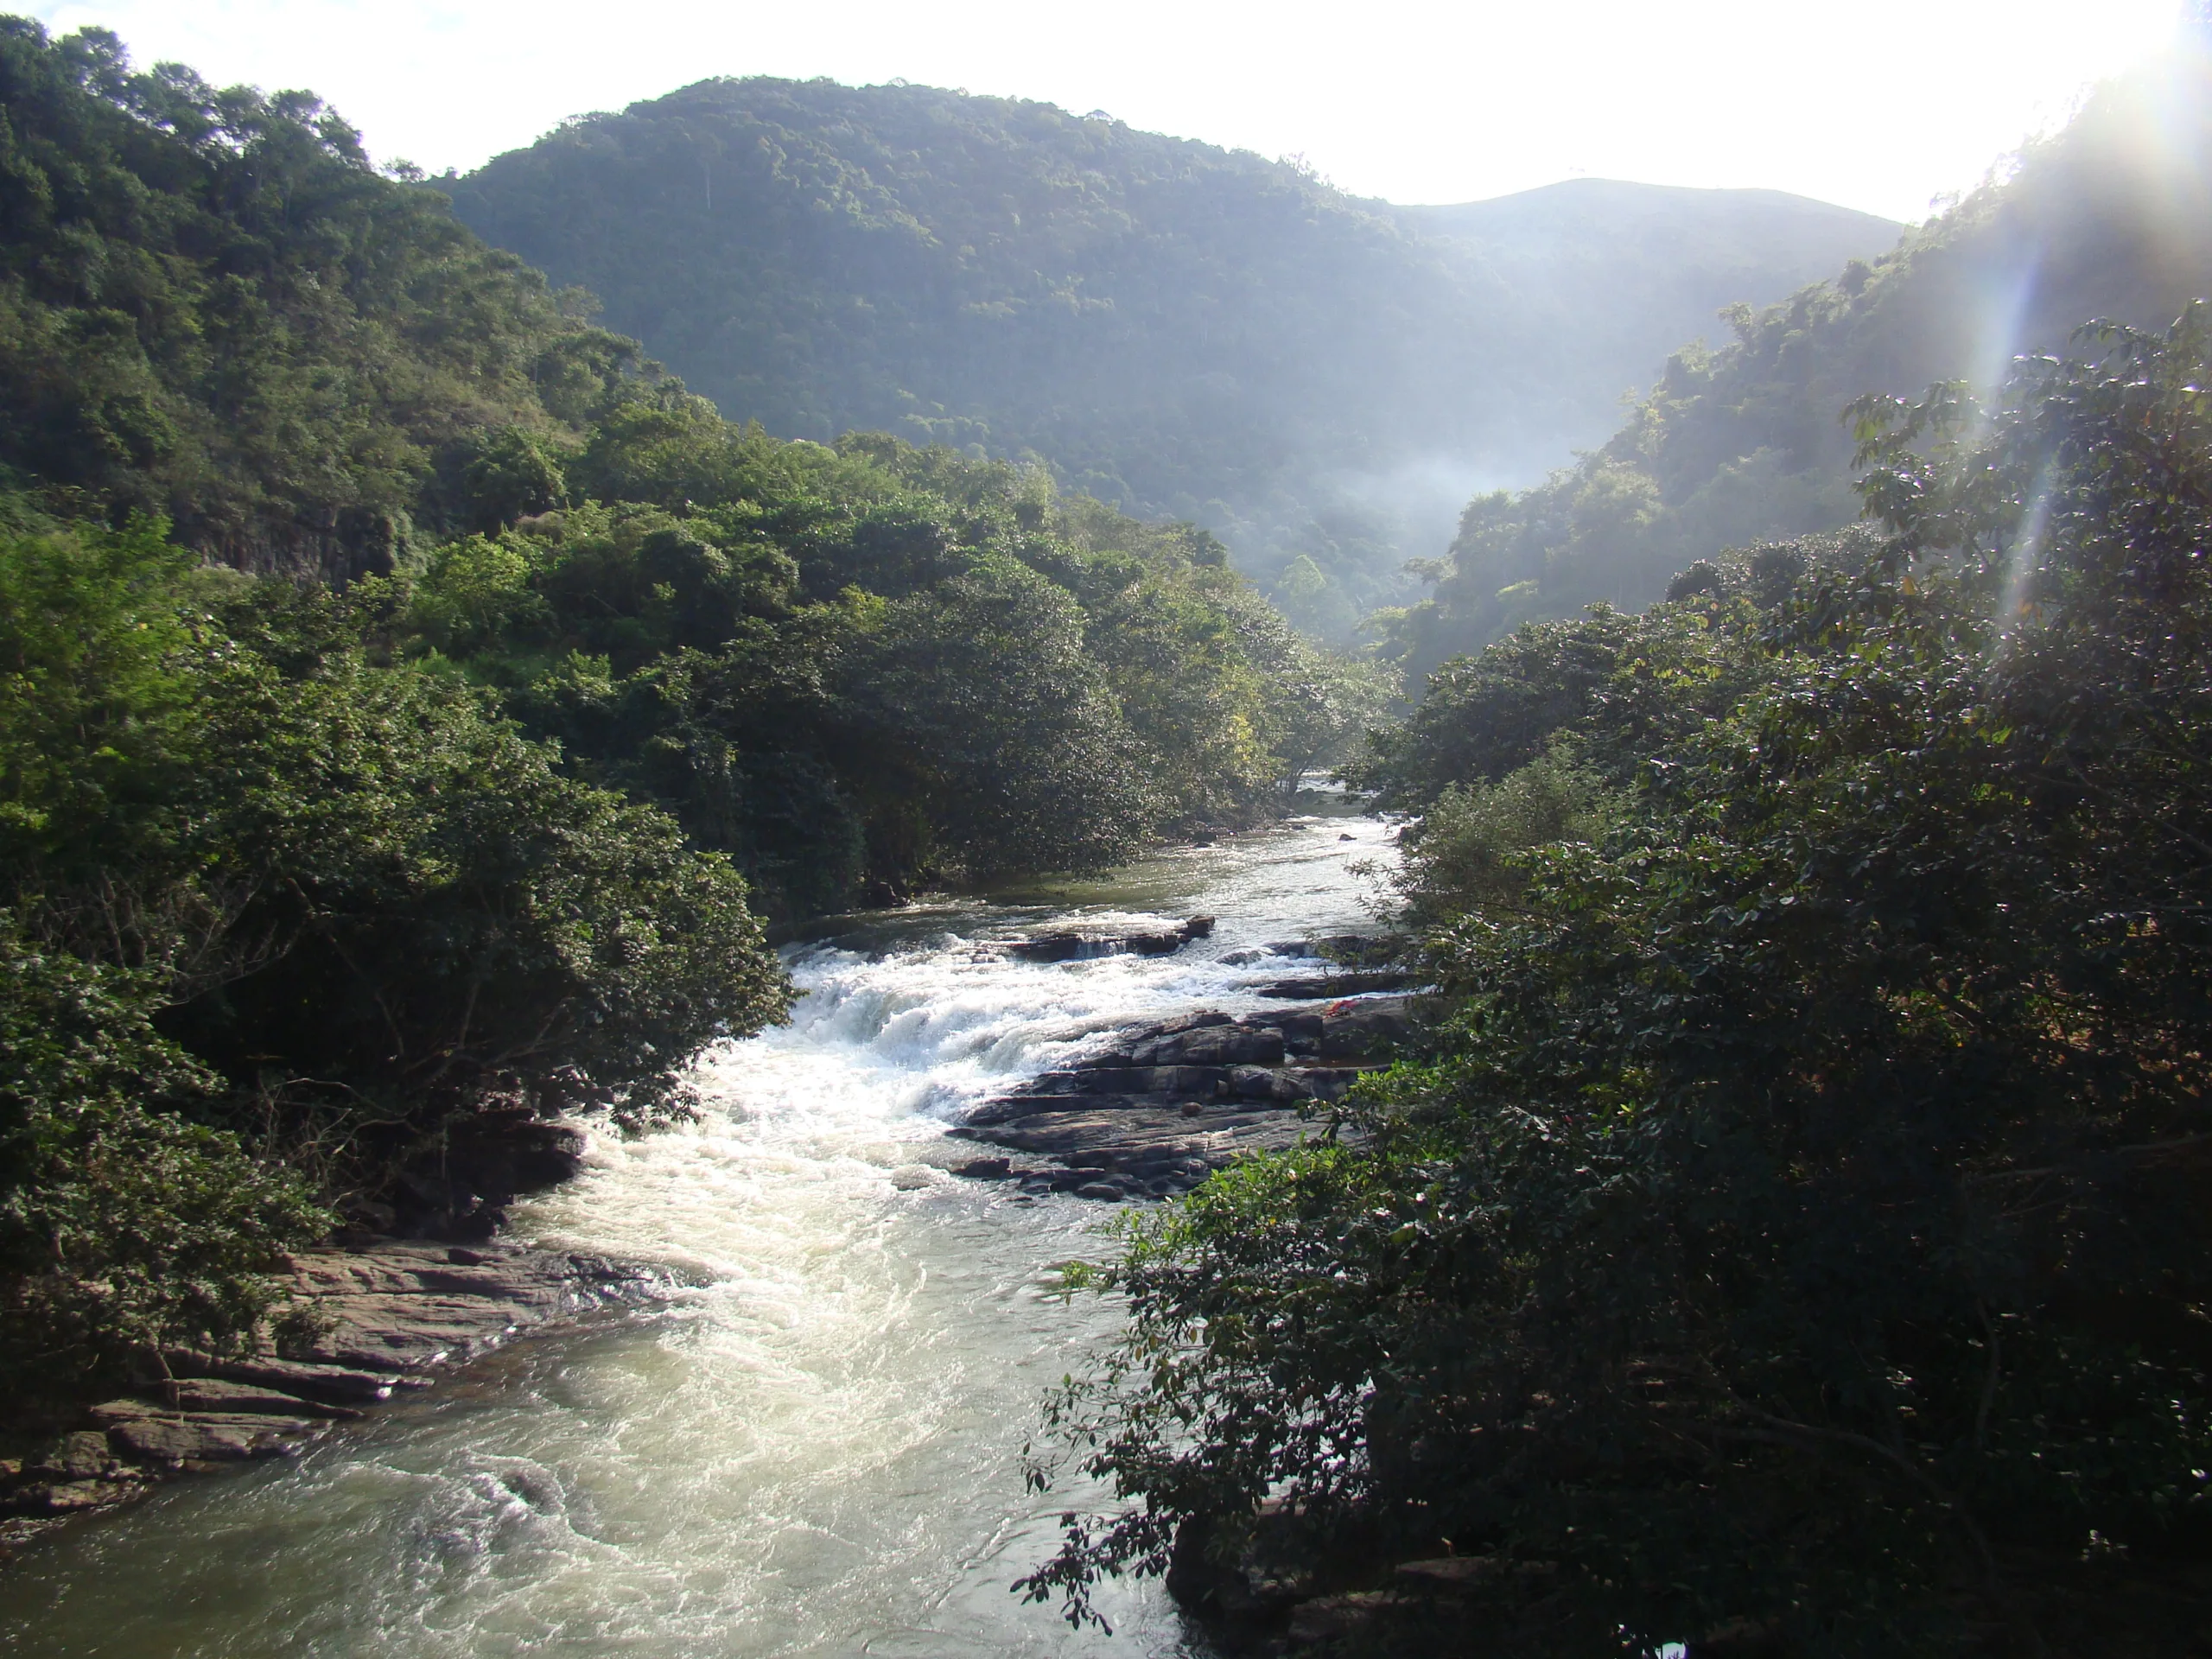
x=815, y=1447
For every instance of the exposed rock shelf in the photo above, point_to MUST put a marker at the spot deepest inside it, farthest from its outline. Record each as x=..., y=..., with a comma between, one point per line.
x=391, y=1317
x=1163, y=1106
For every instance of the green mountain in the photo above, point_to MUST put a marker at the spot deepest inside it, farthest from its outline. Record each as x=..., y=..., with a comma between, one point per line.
x=2109, y=218
x=1182, y=331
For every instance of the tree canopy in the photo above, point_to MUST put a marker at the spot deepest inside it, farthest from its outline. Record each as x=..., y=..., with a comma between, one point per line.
x=213, y=308
x=276, y=920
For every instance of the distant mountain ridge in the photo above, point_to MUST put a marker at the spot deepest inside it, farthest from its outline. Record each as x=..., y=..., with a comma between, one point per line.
x=1697, y=216
x=1560, y=248
x=2110, y=219
x=1184, y=331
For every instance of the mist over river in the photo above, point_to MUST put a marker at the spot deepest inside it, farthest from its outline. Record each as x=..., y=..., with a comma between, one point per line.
x=815, y=1448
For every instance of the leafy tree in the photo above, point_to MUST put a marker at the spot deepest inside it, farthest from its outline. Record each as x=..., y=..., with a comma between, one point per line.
x=213, y=308
x=512, y=473
x=125, y=1228
x=859, y=669
x=1023, y=758
x=455, y=921
x=366, y=906
x=1469, y=854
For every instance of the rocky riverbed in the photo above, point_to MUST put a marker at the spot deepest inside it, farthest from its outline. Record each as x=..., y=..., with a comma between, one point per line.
x=390, y=1316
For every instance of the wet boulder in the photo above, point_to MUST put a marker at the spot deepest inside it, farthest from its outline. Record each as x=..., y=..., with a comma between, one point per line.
x=1071, y=945
x=1300, y=1027
x=1222, y=1045
x=1264, y=1082
x=1127, y=1080
x=1345, y=983
x=1365, y=1030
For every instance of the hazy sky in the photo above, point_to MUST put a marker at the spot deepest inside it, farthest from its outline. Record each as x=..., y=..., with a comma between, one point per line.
x=1878, y=104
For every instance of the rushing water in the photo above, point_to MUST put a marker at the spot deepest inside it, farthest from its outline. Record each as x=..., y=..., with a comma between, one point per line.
x=817, y=1450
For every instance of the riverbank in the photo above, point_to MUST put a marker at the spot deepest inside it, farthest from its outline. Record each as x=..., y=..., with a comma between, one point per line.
x=1149, y=1110
x=390, y=1317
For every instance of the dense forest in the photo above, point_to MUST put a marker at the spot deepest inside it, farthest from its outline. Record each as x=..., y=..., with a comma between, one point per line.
x=1794, y=1239
x=414, y=703
x=2111, y=217
x=1175, y=329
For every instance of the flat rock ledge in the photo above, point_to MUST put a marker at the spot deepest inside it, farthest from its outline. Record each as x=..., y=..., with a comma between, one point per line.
x=1162, y=1107
x=392, y=1316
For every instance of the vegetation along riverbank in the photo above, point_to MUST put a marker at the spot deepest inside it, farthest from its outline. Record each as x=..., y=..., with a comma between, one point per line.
x=1789, y=1235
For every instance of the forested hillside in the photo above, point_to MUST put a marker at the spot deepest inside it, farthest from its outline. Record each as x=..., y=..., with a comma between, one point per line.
x=211, y=308
x=1178, y=330
x=413, y=702
x=2110, y=218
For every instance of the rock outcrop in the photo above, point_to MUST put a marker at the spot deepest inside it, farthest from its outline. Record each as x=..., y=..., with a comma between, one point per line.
x=1162, y=1107
x=401, y=1308
x=390, y=1317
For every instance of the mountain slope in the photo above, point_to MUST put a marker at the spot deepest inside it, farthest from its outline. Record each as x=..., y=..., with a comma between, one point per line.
x=2110, y=219
x=212, y=308
x=1184, y=331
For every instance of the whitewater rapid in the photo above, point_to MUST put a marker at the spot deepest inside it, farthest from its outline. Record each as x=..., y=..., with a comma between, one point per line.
x=813, y=1446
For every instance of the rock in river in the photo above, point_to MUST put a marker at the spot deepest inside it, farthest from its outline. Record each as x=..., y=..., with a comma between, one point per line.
x=1162, y=1107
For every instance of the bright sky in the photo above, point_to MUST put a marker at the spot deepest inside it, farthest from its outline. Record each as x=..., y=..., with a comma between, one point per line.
x=1880, y=104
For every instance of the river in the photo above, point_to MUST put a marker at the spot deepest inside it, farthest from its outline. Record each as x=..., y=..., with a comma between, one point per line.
x=815, y=1449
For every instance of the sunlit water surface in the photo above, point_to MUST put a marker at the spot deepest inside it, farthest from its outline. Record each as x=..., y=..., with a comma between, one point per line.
x=813, y=1451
